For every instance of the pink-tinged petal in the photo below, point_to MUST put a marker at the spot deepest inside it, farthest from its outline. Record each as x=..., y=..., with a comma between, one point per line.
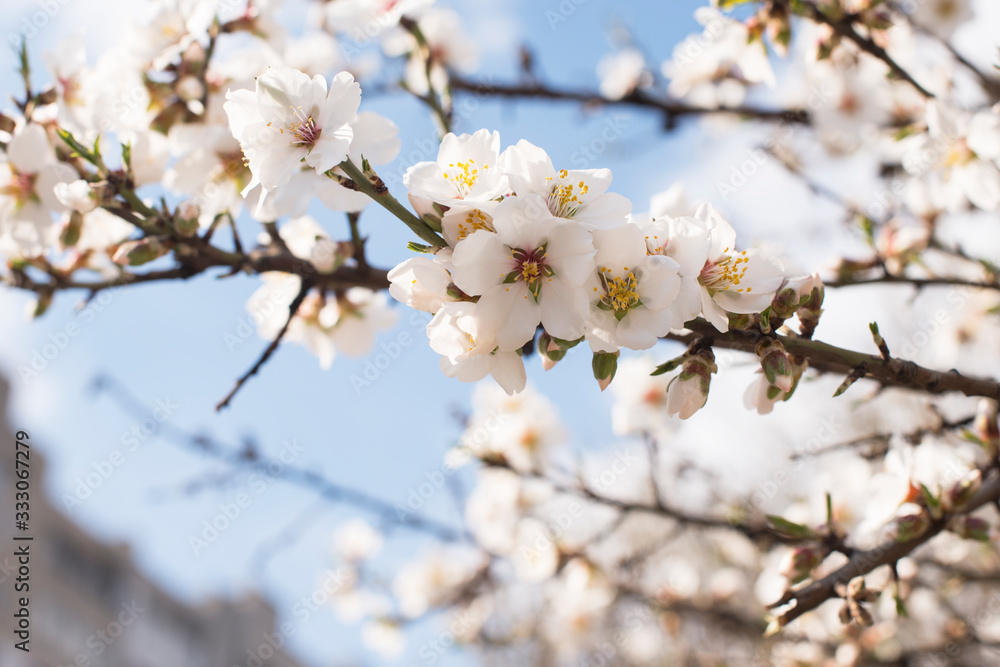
x=481, y=262
x=29, y=150
x=713, y=312
x=512, y=313
x=508, y=370
x=564, y=309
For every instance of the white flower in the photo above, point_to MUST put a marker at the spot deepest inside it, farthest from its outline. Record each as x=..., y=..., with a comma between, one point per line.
x=535, y=554
x=731, y=281
x=686, y=241
x=291, y=118
x=450, y=47
x=76, y=195
x=324, y=325
x=27, y=197
x=640, y=398
x=469, y=351
x=420, y=283
x=632, y=292
x=942, y=17
x=356, y=540
x=384, y=637
x=620, y=73
x=710, y=69
x=465, y=173
x=961, y=150
x=531, y=271
x=149, y=155
x=524, y=429
x=307, y=240
x=211, y=169
x=365, y=19
x=577, y=194
x=427, y=583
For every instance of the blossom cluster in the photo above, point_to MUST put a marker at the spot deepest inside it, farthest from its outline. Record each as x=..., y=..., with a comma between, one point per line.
x=530, y=246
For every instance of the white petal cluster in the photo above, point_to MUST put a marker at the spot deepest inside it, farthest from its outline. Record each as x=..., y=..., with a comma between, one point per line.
x=531, y=247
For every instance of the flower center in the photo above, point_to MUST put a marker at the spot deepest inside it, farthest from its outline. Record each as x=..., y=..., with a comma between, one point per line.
x=529, y=268
x=21, y=187
x=564, y=198
x=475, y=220
x=621, y=293
x=959, y=154
x=463, y=176
x=304, y=129
x=725, y=274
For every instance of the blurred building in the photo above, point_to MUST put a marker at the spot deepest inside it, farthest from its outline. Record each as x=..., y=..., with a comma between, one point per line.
x=90, y=606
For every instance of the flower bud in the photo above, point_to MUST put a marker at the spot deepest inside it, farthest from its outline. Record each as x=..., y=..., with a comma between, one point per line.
x=775, y=364
x=810, y=308
x=687, y=392
x=69, y=235
x=910, y=526
x=141, y=251
x=959, y=495
x=186, y=219
x=800, y=563
x=970, y=528
x=605, y=366
x=985, y=427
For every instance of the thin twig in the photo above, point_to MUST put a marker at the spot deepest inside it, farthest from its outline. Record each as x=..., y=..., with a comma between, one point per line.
x=292, y=310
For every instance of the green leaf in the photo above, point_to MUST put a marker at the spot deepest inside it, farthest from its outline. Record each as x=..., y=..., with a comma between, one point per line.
x=790, y=528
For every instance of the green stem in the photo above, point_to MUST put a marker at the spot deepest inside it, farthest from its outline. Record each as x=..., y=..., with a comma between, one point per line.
x=381, y=195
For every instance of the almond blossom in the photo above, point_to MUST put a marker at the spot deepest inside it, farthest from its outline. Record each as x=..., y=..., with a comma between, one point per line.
x=959, y=153
x=632, y=293
x=576, y=194
x=530, y=272
x=291, y=118
x=732, y=281
x=28, y=177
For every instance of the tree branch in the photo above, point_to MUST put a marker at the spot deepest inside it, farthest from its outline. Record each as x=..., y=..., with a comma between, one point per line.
x=672, y=109
x=829, y=359
x=813, y=595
